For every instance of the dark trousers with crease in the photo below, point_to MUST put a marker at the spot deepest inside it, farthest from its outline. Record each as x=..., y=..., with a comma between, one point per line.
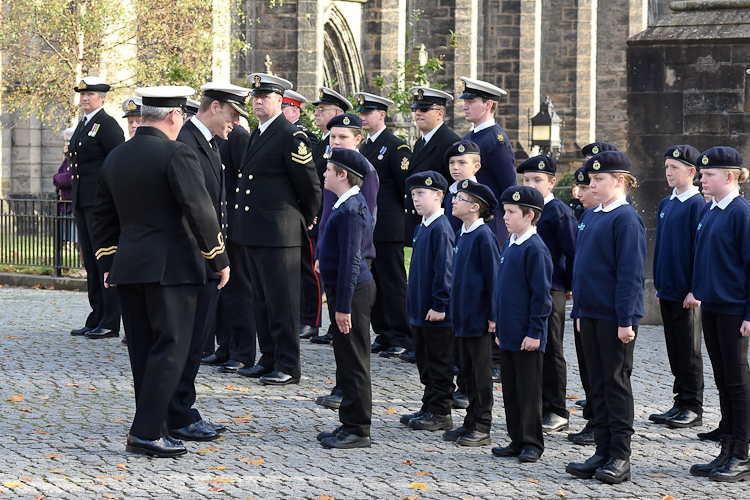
x=584, y=373
x=475, y=354
x=390, y=322
x=522, y=398
x=555, y=378
x=159, y=322
x=352, y=354
x=312, y=287
x=682, y=334
x=433, y=347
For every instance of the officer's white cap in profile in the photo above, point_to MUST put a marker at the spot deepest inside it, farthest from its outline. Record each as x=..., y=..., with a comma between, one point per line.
x=131, y=106
x=262, y=83
x=368, y=102
x=330, y=96
x=234, y=95
x=473, y=88
x=292, y=98
x=425, y=97
x=166, y=96
x=92, y=84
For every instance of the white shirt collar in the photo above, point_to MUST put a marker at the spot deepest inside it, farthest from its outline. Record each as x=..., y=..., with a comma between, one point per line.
x=374, y=137
x=325, y=135
x=528, y=234
x=615, y=204
x=429, y=134
x=686, y=195
x=89, y=116
x=433, y=217
x=352, y=191
x=489, y=123
x=199, y=125
x=454, y=187
x=262, y=127
x=476, y=224
x=549, y=198
x=724, y=203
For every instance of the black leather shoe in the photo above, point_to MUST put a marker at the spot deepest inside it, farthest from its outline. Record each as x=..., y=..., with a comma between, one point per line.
x=552, y=422
x=409, y=357
x=582, y=438
x=100, y=333
x=307, y=331
x=80, y=331
x=505, y=451
x=587, y=469
x=714, y=435
x=431, y=422
x=704, y=470
x=278, y=378
x=159, y=448
x=615, y=471
x=737, y=466
x=496, y=376
x=256, y=371
x=323, y=435
x=392, y=352
x=529, y=456
x=460, y=401
x=377, y=347
x=213, y=359
x=685, y=418
x=474, y=438
x=217, y=428
x=331, y=401
x=661, y=418
x=323, y=339
x=231, y=366
x=581, y=403
x=344, y=440
x=404, y=419
x=194, y=432
x=456, y=433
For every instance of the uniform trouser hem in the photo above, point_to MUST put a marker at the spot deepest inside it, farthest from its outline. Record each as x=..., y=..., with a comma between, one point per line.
x=554, y=380
x=475, y=354
x=682, y=335
x=433, y=348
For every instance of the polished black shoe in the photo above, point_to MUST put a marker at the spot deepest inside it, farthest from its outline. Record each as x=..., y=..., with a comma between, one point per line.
x=460, y=401
x=431, y=422
x=159, y=448
x=582, y=438
x=703, y=470
x=496, y=376
x=587, y=469
x=714, y=435
x=307, y=331
x=474, y=438
x=331, y=401
x=456, y=433
x=581, y=403
x=217, y=428
x=615, y=471
x=404, y=419
x=256, y=371
x=392, y=352
x=230, y=366
x=685, y=418
x=323, y=435
x=194, y=432
x=552, y=422
x=100, y=333
x=322, y=339
x=344, y=440
x=278, y=378
x=736, y=468
x=409, y=357
x=505, y=451
x=377, y=347
x=213, y=359
x=529, y=456
x=80, y=331
x=661, y=418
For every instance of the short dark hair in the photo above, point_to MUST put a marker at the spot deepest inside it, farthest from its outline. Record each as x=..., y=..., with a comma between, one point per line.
x=354, y=180
x=537, y=213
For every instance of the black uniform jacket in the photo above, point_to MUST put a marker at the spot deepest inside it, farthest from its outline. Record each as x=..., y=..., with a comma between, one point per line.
x=231, y=151
x=320, y=157
x=314, y=139
x=153, y=220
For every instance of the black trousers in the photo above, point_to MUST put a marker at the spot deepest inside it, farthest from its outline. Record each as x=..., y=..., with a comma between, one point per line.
x=390, y=322
x=433, y=347
x=352, y=353
x=312, y=286
x=555, y=378
x=181, y=412
x=610, y=363
x=275, y=275
x=158, y=321
x=235, y=314
x=727, y=350
x=104, y=302
x=475, y=354
x=522, y=398
x=682, y=334
x=584, y=373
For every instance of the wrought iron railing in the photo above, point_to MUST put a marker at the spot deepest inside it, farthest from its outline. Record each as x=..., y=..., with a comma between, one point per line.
x=38, y=233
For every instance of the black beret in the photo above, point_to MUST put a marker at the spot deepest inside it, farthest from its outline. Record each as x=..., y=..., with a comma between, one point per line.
x=428, y=179
x=684, y=153
x=478, y=191
x=347, y=120
x=351, y=160
x=461, y=148
x=720, y=157
x=597, y=147
x=609, y=161
x=540, y=164
x=582, y=177
x=523, y=195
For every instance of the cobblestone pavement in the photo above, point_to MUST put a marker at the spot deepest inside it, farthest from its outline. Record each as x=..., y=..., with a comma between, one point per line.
x=65, y=439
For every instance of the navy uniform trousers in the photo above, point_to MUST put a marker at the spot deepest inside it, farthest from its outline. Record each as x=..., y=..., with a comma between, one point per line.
x=522, y=398
x=433, y=348
x=475, y=355
x=555, y=377
x=682, y=334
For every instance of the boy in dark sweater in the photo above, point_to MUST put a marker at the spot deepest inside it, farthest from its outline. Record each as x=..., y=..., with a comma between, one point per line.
x=351, y=294
x=475, y=261
x=523, y=304
x=427, y=302
x=557, y=227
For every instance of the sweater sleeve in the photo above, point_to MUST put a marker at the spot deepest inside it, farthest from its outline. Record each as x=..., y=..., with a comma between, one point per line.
x=539, y=277
x=656, y=248
x=350, y=227
x=442, y=244
x=490, y=254
x=745, y=242
x=630, y=258
x=566, y=236
x=695, y=219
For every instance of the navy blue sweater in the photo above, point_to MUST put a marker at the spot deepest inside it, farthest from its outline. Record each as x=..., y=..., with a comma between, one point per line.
x=674, y=248
x=430, y=273
x=721, y=275
x=558, y=227
x=608, y=273
x=522, y=300
x=475, y=261
x=346, y=239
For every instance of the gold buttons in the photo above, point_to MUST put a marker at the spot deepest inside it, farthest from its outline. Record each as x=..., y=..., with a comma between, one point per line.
x=250, y=177
x=236, y=206
x=247, y=208
x=237, y=190
x=247, y=191
x=406, y=211
x=239, y=175
x=413, y=212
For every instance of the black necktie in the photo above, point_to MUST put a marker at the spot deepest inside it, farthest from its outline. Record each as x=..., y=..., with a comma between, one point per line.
x=418, y=146
x=212, y=142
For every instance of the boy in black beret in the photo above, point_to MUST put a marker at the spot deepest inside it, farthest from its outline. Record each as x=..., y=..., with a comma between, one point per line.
x=428, y=302
x=351, y=293
x=523, y=305
x=595, y=148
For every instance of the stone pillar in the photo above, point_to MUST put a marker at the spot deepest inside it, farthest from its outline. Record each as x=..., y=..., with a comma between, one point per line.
x=464, y=55
x=383, y=39
x=222, y=32
x=530, y=60
x=585, y=102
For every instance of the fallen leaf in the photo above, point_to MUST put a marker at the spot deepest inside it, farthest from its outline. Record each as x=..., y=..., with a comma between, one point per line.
x=71, y=385
x=51, y=425
x=572, y=410
x=119, y=477
x=51, y=455
x=99, y=483
x=230, y=387
x=39, y=497
x=325, y=497
x=57, y=471
x=107, y=495
x=562, y=493
x=115, y=420
x=13, y=484
x=241, y=421
x=251, y=434
x=11, y=337
x=258, y=461
x=328, y=382
x=25, y=409
x=314, y=390
x=431, y=451
x=686, y=452
x=422, y=473
x=121, y=467
x=468, y=498
x=216, y=488
x=102, y=477
x=25, y=479
x=220, y=439
x=217, y=480
x=43, y=397
x=89, y=441
x=243, y=389
x=412, y=498
x=281, y=430
x=571, y=396
x=223, y=421
x=15, y=398
x=217, y=467
x=668, y=497
x=659, y=474
x=203, y=451
x=408, y=462
x=418, y=486
x=91, y=387
x=40, y=432
x=533, y=480
x=499, y=387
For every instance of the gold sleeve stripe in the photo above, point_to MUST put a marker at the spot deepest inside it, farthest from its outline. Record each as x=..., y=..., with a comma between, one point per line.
x=217, y=250
x=105, y=251
x=299, y=132
x=302, y=159
x=403, y=146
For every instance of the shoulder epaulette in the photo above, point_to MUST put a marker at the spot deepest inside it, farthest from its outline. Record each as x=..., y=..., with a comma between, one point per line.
x=300, y=132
